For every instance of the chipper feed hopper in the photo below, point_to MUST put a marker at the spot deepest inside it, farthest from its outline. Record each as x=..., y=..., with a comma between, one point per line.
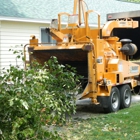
x=103, y=59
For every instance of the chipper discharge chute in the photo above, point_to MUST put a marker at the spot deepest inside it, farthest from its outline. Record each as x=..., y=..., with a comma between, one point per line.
x=99, y=56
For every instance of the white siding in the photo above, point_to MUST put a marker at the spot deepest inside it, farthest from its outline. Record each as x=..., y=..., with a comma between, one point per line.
x=15, y=34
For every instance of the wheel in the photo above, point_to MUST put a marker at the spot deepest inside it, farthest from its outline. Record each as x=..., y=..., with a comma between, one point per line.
x=113, y=101
x=125, y=96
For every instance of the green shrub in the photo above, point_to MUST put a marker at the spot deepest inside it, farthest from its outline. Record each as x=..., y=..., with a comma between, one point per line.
x=33, y=100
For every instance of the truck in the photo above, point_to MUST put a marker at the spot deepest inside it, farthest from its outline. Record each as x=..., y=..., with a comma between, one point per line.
x=100, y=57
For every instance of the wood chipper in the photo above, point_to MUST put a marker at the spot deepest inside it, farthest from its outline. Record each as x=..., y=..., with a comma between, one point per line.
x=103, y=59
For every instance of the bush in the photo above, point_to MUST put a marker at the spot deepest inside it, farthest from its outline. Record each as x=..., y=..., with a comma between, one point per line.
x=34, y=99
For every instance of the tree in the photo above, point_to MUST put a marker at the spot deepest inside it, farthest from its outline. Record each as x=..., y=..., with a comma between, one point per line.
x=33, y=100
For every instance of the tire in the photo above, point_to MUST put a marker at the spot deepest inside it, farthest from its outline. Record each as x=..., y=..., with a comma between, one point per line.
x=125, y=96
x=113, y=101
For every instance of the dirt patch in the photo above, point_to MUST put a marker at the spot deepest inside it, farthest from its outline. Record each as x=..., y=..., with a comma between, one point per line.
x=88, y=111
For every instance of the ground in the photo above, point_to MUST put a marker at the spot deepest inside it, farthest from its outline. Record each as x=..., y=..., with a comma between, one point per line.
x=85, y=109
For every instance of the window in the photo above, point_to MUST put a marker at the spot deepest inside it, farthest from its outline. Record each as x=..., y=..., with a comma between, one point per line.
x=45, y=37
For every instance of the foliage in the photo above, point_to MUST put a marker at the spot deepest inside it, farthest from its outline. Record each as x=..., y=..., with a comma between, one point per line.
x=33, y=100
x=122, y=125
x=135, y=1
x=17, y=51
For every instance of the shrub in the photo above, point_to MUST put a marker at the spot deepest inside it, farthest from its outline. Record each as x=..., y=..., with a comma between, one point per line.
x=33, y=100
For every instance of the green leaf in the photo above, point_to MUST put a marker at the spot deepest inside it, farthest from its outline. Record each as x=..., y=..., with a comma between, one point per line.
x=11, y=102
x=25, y=104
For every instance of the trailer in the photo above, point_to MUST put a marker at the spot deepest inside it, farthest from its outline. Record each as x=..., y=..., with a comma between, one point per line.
x=101, y=55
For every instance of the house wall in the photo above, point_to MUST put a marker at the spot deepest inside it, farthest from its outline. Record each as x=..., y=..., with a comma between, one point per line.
x=16, y=34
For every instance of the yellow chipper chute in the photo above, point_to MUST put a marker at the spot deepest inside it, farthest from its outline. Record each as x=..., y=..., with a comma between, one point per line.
x=101, y=58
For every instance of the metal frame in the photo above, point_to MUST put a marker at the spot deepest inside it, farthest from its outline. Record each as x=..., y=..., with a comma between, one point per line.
x=121, y=15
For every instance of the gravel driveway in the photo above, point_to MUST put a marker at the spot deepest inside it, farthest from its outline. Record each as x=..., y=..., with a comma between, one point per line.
x=85, y=108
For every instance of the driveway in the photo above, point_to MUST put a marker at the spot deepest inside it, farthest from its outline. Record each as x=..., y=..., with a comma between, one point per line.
x=135, y=98
x=85, y=108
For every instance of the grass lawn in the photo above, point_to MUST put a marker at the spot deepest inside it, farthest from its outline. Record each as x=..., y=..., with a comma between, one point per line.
x=122, y=125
